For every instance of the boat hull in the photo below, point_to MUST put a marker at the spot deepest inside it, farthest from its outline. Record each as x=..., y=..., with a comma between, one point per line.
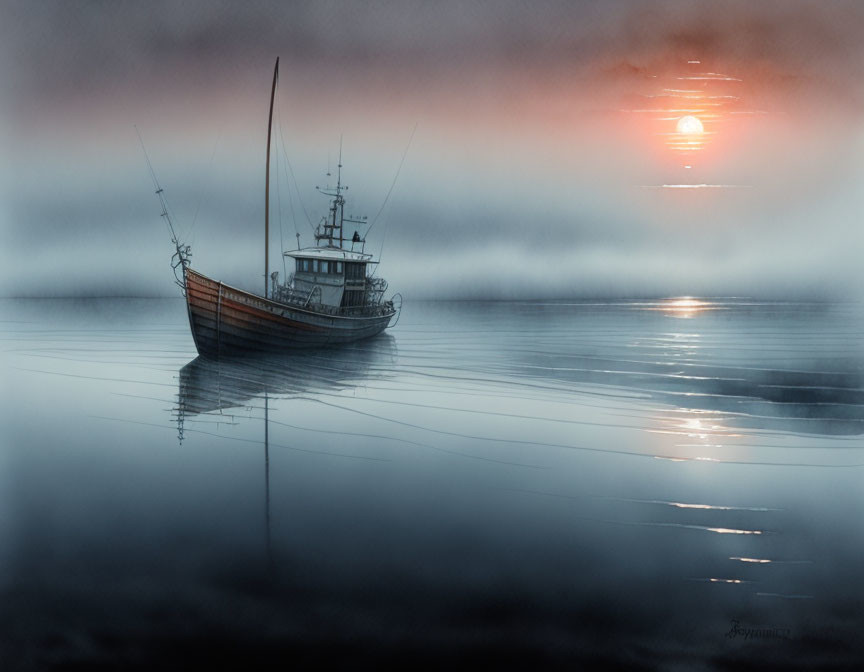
x=227, y=321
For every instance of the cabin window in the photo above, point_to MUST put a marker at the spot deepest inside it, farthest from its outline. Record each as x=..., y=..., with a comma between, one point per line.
x=329, y=267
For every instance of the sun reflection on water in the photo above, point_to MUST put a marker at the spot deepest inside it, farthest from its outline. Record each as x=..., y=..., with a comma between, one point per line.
x=684, y=307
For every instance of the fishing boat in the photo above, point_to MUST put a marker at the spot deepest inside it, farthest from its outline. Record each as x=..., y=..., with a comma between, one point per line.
x=332, y=297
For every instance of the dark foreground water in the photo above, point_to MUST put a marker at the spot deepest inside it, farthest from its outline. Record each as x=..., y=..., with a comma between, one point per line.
x=642, y=485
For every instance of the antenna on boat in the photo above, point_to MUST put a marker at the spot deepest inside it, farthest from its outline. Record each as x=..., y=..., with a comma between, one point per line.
x=335, y=220
x=267, y=182
x=339, y=167
x=183, y=252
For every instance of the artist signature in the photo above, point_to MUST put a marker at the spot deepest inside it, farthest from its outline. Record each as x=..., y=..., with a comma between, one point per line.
x=737, y=629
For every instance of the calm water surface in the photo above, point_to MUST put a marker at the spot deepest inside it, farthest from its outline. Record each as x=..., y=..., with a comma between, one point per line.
x=648, y=485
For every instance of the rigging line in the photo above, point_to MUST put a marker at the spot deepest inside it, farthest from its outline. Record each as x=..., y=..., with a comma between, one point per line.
x=168, y=212
x=380, y=251
x=147, y=157
x=294, y=178
x=290, y=196
x=293, y=216
x=201, y=197
x=387, y=198
x=395, y=177
x=294, y=213
x=159, y=191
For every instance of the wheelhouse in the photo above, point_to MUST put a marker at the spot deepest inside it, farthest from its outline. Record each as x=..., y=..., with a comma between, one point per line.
x=337, y=273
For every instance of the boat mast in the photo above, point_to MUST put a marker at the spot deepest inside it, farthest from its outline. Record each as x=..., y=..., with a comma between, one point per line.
x=336, y=220
x=267, y=184
x=339, y=200
x=337, y=207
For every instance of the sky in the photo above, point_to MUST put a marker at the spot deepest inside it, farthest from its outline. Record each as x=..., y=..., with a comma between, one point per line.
x=542, y=143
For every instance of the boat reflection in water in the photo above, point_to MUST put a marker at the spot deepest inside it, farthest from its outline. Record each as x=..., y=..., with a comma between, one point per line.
x=213, y=386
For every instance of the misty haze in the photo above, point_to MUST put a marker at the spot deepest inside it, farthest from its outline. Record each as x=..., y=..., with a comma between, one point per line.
x=523, y=335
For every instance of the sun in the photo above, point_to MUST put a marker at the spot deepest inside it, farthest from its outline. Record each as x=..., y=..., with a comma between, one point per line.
x=690, y=125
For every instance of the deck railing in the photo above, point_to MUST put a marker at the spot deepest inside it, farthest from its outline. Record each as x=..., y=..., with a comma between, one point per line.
x=286, y=295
